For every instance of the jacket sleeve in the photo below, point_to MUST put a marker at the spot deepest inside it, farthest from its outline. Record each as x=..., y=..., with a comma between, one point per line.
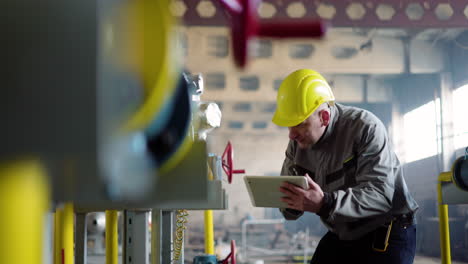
x=286, y=169
x=372, y=193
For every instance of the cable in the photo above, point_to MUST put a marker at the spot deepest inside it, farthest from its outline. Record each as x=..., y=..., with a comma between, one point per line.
x=181, y=219
x=460, y=45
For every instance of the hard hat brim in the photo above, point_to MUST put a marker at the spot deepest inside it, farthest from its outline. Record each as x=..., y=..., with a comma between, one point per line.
x=287, y=122
x=283, y=122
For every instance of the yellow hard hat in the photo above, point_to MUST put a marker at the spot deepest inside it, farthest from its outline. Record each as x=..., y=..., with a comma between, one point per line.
x=299, y=95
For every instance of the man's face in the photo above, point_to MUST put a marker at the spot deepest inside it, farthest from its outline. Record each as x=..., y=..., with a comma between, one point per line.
x=308, y=132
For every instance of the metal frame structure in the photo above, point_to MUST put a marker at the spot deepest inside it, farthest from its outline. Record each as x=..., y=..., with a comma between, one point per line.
x=255, y=222
x=450, y=190
x=339, y=13
x=82, y=169
x=161, y=236
x=81, y=238
x=135, y=242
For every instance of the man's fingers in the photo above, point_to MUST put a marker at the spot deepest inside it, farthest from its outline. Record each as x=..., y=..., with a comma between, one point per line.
x=291, y=187
x=312, y=184
x=289, y=202
x=286, y=191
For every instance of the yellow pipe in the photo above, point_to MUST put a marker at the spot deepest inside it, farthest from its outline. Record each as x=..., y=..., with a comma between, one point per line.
x=209, y=236
x=68, y=238
x=444, y=220
x=209, y=233
x=112, y=246
x=445, y=177
x=58, y=236
x=24, y=201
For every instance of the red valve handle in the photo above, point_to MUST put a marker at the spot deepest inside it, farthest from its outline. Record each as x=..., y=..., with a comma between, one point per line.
x=233, y=252
x=227, y=162
x=231, y=255
x=245, y=25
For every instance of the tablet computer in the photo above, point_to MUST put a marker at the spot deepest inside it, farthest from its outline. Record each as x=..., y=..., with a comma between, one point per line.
x=264, y=190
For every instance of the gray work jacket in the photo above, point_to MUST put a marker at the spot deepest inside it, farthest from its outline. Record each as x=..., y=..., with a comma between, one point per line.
x=355, y=165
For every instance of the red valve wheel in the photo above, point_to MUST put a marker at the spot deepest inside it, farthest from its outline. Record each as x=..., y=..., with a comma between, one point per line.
x=232, y=255
x=233, y=252
x=245, y=24
x=228, y=167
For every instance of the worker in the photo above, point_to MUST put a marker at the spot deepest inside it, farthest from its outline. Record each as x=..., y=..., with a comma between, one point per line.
x=355, y=179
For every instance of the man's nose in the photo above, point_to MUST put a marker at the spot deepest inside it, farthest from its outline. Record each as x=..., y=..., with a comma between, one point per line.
x=292, y=133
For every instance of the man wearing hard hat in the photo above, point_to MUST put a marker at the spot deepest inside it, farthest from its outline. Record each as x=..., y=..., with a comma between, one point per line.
x=356, y=183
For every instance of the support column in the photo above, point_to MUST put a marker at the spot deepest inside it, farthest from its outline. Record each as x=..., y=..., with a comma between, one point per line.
x=161, y=236
x=24, y=200
x=447, y=147
x=81, y=239
x=68, y=230
x=136, y=237
x=112, y=245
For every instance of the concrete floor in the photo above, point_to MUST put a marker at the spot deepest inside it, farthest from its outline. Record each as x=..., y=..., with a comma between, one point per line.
x=427, y=260
x=99, y=260
x=417, y=260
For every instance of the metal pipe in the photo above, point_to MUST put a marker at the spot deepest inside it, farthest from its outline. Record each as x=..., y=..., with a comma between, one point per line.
x=301, y=29
x=444, y=220
x=67, y=233
x=209, y=234
x=24, y=200
x=58, y=236
x=112, y=246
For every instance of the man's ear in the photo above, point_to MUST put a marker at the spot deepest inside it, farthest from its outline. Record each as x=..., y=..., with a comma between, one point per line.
x=324, y=117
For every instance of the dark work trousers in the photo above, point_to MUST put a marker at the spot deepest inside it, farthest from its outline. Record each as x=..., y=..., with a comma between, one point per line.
x=401, y=249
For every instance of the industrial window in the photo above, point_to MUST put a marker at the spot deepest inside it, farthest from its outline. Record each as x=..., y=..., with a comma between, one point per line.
x=268, y=107
x=460, y=117
x=249, y=83
x=277, y=83
x=301, y=51
x=215, y=81
x=218, y=46
x=243, y=107
x=421, y=131
x=236, y=124
x=220, y=104
x=259, y=125
x=263, y=48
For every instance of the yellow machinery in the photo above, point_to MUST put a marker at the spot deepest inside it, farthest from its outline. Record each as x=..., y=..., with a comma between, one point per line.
x=94, y=95
x=100, y=79
x=452, y=188
x=24, y=201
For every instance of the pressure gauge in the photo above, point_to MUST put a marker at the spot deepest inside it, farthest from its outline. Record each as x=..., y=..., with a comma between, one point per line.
x=460, y=173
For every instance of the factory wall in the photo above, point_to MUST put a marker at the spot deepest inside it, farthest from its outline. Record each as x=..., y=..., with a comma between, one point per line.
x=459, y=62
x=390, y=92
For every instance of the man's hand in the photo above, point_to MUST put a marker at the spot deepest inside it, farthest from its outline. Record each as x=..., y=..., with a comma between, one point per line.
x=310, y=200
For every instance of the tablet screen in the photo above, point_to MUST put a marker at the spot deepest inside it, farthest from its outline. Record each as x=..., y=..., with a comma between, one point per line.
x=264, y=190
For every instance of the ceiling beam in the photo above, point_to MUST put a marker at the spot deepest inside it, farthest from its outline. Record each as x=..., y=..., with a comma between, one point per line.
x=339, y=13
